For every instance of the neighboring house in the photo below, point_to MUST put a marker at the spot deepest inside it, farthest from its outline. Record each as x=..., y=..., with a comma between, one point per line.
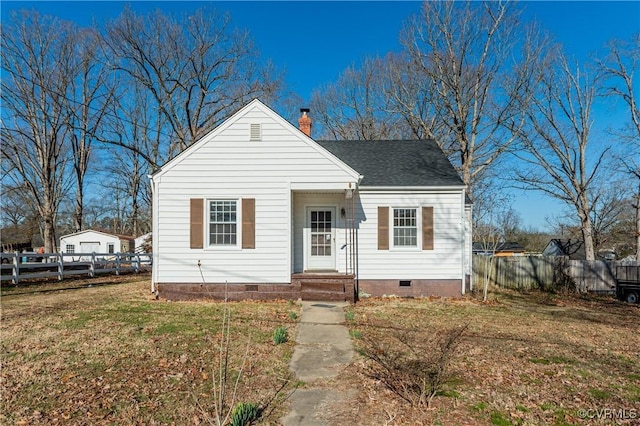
x=572, y=248
x=498, y=249
x=90, y=241
x=259, y=205
x=143, y=243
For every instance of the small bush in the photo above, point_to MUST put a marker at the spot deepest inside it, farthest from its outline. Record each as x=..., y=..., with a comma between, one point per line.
x=355, y=334
x=417, y=365
x=293, y=316
x=349, y=315
x=245, y=414
x=280, y=335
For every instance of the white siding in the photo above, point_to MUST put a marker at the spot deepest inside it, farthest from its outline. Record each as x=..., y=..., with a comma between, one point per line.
x=468, y=246
x=444, y=262
x=90, y=237
x=226, y=164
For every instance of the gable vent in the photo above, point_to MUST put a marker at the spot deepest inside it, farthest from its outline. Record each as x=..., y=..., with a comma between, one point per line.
x=255, y=132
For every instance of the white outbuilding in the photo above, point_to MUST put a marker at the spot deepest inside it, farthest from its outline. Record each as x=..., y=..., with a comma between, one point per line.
x=90, y=241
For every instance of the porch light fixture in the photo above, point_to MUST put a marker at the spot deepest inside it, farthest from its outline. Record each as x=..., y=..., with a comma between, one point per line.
x=343, y=213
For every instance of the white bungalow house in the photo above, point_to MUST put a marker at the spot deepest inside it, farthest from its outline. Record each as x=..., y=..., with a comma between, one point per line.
x=90, y=241
x=258, y=209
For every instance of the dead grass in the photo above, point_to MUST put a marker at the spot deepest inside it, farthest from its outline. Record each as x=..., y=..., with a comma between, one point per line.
x=112, y=354
x=526, y=359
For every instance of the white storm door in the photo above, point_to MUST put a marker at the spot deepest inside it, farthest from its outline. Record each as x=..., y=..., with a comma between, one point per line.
x=320, y=247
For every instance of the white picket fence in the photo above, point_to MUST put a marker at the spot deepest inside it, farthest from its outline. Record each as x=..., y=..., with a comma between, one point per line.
x=18, y=267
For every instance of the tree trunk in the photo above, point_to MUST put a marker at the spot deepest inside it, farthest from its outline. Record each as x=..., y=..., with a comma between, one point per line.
x=135, y=212
x=49, y=233
x=78, y=215
x=638, y=224
x=587, y=236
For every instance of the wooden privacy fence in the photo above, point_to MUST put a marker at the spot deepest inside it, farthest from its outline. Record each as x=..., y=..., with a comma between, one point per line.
x=550, y=272
x=18, y=267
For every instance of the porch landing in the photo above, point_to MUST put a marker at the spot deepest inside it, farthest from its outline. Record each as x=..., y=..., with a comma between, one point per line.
x=325, y=286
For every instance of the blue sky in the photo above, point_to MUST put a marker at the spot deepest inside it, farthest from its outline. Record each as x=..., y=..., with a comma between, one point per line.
x=314, y=41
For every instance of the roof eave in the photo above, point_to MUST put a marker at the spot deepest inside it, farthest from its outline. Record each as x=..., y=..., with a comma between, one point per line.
x=413, y=188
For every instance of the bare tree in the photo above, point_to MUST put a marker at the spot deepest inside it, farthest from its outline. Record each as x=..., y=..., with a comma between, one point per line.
x=558, y=157
x=89, y=101
x=139, y=126
x=197, y=70
x=355, y=107
x=37, y=62
x=496, y=224
x=619, y=68
x=471, y=80
x=18, y=216
x=610, y=204
x=409, y=97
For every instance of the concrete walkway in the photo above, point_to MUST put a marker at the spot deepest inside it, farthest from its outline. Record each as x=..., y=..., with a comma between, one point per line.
x=323, y=349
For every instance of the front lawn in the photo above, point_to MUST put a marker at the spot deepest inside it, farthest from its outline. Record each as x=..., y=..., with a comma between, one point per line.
x=109, y=353
x=530, y=359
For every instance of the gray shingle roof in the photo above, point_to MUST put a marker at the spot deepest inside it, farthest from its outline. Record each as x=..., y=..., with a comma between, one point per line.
x=396, y=162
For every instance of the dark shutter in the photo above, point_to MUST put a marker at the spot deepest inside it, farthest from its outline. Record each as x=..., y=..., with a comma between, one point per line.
x=427, y=228
x=196, y=225
x=383, y=228
x=248, y=223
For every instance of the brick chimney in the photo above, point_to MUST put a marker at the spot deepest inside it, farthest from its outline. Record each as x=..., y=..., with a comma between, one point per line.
x=305, y=122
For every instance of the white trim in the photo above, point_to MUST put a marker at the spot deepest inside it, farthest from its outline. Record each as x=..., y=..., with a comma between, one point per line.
x=339, y=187
x=410, y=189
x=306, y=241
x=290, y=232
x=273, y=115
x=155, y=241
x=207, y=224
x=463, y=229
x=97, y=232
x=418, y=246
x=469, y=243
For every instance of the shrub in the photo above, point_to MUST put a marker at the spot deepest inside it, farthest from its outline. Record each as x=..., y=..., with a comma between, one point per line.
x=244, y=414
x=414, y=364
x=280, y=335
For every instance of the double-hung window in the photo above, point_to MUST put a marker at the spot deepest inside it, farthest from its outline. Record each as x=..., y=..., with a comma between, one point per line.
x=405, y=227
x=111, y=248
x=71, y=248
x=223, y=223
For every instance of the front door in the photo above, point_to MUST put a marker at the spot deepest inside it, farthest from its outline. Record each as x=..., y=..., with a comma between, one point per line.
x=320, y=245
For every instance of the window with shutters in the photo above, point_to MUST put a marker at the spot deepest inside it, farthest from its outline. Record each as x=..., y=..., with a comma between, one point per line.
x=405, y=227
x=223, y=223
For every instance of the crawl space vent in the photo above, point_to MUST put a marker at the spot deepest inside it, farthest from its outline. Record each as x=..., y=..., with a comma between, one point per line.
x=255, y=132
x=405, y=283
